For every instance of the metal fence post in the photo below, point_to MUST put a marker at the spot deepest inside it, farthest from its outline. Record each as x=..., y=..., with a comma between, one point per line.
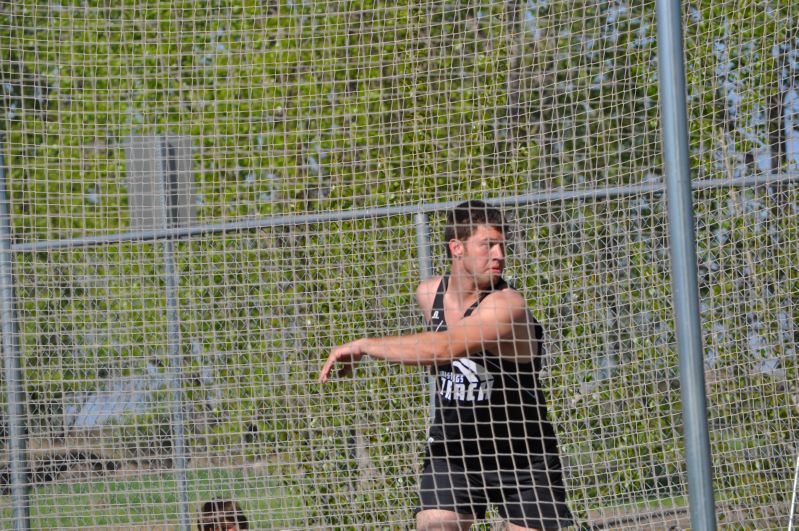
x=425, y=271
x=423, y=246
x=15, y=394
x=169, y=162
x=794, y=492
x=159, y=194
x=671, y=79
x=175, y=383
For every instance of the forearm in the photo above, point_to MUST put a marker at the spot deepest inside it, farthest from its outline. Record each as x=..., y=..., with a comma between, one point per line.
x=426, y=348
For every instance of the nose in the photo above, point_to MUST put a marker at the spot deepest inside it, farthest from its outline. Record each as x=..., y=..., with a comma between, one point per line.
x=498, y=251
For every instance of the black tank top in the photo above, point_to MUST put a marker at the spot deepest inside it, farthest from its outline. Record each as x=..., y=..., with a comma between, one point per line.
x=486, y=406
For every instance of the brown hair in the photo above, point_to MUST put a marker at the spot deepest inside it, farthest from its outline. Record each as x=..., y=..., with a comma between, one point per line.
x=464, y=219
x=217, y=515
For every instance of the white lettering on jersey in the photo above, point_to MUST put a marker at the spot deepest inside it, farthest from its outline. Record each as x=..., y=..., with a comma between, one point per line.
x=468, y=382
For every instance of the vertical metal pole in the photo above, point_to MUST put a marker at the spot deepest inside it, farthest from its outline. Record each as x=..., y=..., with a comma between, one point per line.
x=15, y=396
x=425, y=271
x=423, y=246
x=793, y=496
x=683, y=258
x=175, y=369
x=173, y=334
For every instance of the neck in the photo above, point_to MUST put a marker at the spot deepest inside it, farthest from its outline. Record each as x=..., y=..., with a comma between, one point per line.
x=463, y=286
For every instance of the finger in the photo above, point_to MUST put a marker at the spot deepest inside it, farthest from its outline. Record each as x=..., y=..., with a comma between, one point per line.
x=324, y=374
x=339, y=354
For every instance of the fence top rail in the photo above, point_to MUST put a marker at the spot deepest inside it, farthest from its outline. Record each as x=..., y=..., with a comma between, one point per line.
x=422, y=208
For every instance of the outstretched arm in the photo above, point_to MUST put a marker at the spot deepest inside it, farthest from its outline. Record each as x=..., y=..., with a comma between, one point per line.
x=492, y=322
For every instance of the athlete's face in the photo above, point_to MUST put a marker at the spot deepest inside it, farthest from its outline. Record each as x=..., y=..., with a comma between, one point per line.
x=482, y=255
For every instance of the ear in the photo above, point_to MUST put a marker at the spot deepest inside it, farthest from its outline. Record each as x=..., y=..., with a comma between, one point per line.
x=456, y=248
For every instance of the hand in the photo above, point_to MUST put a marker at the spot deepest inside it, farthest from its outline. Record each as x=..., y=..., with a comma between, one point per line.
x=347, y=354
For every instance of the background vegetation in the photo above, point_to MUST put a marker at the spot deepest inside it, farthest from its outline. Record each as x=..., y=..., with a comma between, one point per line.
x=319, y=107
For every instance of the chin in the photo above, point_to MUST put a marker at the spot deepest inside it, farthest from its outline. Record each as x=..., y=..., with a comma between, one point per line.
x=488, y=280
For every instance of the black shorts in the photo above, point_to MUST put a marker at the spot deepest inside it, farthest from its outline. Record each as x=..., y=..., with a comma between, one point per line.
x=529, y=497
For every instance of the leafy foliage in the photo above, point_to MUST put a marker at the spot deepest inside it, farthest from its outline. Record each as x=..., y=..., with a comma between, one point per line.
x=325, y=107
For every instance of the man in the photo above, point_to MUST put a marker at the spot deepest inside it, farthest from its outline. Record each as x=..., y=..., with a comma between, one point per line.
x=490, y=441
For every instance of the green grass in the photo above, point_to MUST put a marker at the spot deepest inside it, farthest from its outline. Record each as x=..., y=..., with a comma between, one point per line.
x=152, y=499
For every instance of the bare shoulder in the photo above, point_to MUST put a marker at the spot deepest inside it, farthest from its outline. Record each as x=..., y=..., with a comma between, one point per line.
x=507, y=300
x=510, y=306
x=522, y=343
x=426, y=294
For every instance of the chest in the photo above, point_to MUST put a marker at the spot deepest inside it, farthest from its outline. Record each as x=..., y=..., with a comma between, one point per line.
x=449, y=313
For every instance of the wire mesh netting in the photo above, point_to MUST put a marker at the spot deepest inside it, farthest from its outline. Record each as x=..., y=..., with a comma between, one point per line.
x=205, y=197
